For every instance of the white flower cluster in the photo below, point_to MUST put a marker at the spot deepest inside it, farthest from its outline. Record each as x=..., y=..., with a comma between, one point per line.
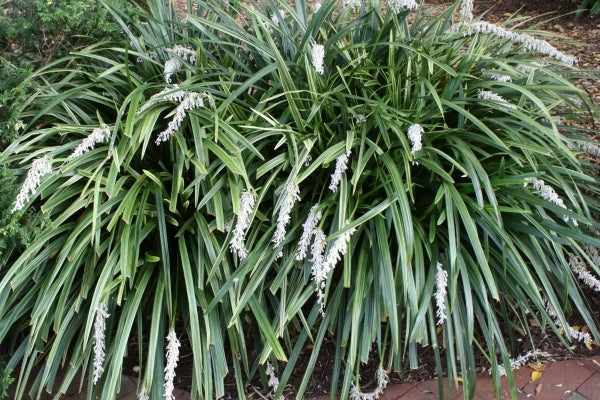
x=99, y=328
x=187, y=101
x=441, y=282
x=414, y=134
x=173, y=64
x=278, y=17
x=317, y=55
x=382, y=382
x=577, y=335
x=351, y=3
x=400, y=5
x=521, y=360
x=589, y=148
x=292, y=193
x=527, y=69
x=322, y=266
x=579, y=268
x=466, y=10
x=237, y=245
x=309, y=225
x=40, y=167
x=341, y=165
x=496, y=75
x=143, y=395
x=173, y=345
x=549, y=194
x=527, y=42
x=98, y=135
x=489, y=95
x=273, y=379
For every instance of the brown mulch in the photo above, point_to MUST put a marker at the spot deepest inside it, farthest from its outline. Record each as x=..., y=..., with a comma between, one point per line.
x=578, y=37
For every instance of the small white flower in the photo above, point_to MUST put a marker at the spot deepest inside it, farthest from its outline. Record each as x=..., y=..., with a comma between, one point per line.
x=578, y=267
x=318, y=56
x=174, y=63
x=318, y=261
x=98, y=135
x=496, y=75
x=575, y=334
x=522, y=360
x=341, y=165
x=466, y=10
x=351, y=3
x=441, y=282
x=548, y=193
x=273, y=380
x=237, y=245
x=489, y=95
x=527, y=42
x=40, y=167
x=309, y=225
x=173, y=345
x=589, y=148
x=414, y=134
x=187, y=101
x=316, y=7
x=398, y=6
x=142, y=395
x=360, y=118
x=99, y=328
x=292, y=193
x=278, y=17
x=382, y=382
x=322, y=266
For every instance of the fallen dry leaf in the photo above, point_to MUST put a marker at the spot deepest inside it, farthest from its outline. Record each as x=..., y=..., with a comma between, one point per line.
x=538, y=389
x=537, y=366
x=536, y=375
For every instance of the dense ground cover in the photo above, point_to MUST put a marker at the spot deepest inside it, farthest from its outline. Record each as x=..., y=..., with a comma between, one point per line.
x=266, y=178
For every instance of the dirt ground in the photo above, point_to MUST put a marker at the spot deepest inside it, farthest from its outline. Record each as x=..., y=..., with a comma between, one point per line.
x=577, y=37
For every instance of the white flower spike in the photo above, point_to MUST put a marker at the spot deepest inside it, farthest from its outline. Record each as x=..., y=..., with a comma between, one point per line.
x=441, y=282
x=322, y=266
x=173, y=345
x=579, y=268
x=309, y=225
x=292, y=193
x=466, y=10
x=99, y=328
x=318, y=56
x=489, y=95
x=98, y=135
x=397, y=6
x=341, y=165
x=174, y=63
x=548, y=193
x=187, y=101
x=527, y=42
x=237, y=244
x=414, y=134
x=382, y=382
x=40, y=167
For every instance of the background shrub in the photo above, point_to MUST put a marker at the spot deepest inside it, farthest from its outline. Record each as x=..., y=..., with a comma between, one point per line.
x=459, y=207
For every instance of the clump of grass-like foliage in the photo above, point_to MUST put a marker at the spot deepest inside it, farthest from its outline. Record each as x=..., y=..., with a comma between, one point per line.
x=264, y=175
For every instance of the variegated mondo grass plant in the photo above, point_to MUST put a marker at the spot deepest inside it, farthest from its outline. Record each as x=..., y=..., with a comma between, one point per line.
x=263, y=175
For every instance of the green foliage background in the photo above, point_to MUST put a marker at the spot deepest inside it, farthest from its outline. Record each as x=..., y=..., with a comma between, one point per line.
x=144, y=227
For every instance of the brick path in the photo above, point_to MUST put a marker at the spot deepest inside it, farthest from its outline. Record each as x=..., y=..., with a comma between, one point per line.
x=561, y=380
